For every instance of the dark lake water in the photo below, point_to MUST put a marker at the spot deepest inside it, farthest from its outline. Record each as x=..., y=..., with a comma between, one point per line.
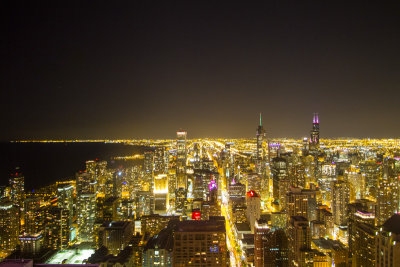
x=44, y=163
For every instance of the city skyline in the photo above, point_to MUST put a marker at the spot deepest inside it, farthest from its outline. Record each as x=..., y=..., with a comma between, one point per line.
x=95, y=71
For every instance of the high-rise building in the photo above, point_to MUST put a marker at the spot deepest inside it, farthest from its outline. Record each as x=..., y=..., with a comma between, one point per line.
x=65, y=195
x=260, y=164
x=200, y=243
x=9, y=227
x=149, y=169
x=253, y=211
x=301, y=202
x=31, y=220
x=388, y=243
x=340, y=199
x=161, y=193
x=314, y=136
x=299, y=240
x=370, y=172
x=86, y=217
x=115, y=235
x=181, y=155
x=364, y=247
x=17, y=184
x=57, y=228
x=152, y=224
x=158, y=249
x=280, y=181
x=388, y=191
x=270, y=245
x=253, y=181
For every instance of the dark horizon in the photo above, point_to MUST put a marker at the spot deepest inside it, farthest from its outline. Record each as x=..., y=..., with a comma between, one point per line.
x=97, y=71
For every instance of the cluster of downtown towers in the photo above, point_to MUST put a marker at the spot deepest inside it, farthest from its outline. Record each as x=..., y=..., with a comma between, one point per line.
x=217, y=202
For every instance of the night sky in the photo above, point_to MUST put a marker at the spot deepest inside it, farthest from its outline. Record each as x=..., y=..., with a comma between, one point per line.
x=143, y=71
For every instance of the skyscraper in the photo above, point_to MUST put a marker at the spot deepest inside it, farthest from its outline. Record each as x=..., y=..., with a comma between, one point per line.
x=280, y=181
x=388, y=243
x=314, y=136
x=253, y=211
x=181, y=155
x=260, y=149
x=299, y=240
x=9, y=227
x=340, y=199
x=86, y=210
x=388, y=191
x=200, y=243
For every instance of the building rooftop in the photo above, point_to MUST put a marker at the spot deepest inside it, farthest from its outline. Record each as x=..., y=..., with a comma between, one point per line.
x=200, y=226
x=392, y=224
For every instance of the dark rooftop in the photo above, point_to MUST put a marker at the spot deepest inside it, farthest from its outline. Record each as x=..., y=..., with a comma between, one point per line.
x=392, y=224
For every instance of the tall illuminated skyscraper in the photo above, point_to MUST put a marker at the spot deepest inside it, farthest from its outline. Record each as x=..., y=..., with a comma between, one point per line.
x=17, y=184
x=86, y=210
x=181, y=155
x=314, y=137
x=260, y=149
x=149, y=169
x=340, y=199
x=253, y=212
x=388, y=243
x=388, y=191
x=65, y=195
x=280, y=180
x=9, y=227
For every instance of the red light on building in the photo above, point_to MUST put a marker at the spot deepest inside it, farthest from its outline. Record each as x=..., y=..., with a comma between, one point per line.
x=196, y=215
x=252, y=194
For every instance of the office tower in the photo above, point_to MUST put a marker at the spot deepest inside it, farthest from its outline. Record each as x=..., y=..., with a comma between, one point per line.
x=158, y=249
x=181, y=155
x=85, y=183
x=261, y=230
x=314, y=136
x=388, y=243
x=237, y=190
x=153, y=224
x=299, y=240
x=161, y=193
x=340, y=199
x=9, y=227
x=260, y=157
x=370, y=171
x=110, y=209
x=160, y=164
x=200, y=243
x=148, y=169
x=180, y=200
x=197, y=156
x=57, y=228
x=253, y=212
x=301, y=202
x=270, y=245
x=325, y=217
x=336, y=252
x=65, y=196
x=361, y=211
x=117, y=183
x=364, y=248
x=144, y=203
x=115, y=235
x=86, y=216
x=280, y=181
x=31, y=244
x=31, y=206
x=17, y=185
x=253, y=182
x=388, y=191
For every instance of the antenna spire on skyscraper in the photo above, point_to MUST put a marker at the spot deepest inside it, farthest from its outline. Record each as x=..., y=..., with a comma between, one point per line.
x=260, y=119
